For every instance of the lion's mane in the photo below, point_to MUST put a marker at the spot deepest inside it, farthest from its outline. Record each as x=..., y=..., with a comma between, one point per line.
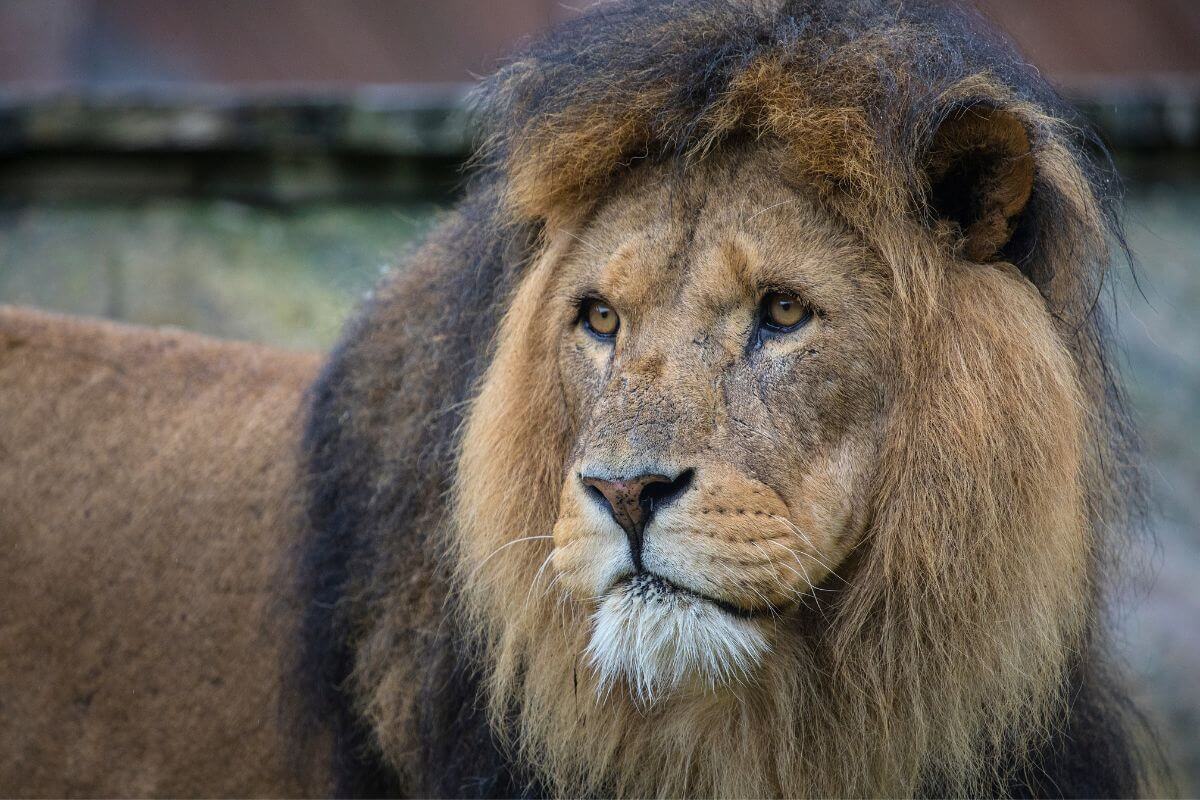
x=964, y=650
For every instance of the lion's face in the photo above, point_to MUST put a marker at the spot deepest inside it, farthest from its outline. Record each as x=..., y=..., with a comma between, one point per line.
x=719, y=352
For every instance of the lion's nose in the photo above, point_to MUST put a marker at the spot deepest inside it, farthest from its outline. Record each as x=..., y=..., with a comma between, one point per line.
x=633, y=501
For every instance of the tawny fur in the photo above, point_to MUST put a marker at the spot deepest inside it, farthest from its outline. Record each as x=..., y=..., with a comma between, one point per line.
x=146, y=508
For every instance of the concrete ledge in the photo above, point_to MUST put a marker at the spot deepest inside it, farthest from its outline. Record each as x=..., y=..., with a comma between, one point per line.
x=299, y=144
x=386, y=120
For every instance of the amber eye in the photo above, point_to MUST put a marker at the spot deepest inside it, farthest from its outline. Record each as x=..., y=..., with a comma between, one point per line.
x=784, y=312
x=599, y=317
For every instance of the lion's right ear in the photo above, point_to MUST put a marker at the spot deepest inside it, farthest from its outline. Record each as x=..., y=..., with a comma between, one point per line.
x=979, y=173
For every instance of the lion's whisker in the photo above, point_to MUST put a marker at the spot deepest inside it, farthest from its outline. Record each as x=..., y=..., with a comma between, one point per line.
x=788, y=591
x=505, y=546
x=537, y=576
x=810, y=543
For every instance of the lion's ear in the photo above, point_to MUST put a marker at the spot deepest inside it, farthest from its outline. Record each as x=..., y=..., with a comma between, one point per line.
x=980, y=174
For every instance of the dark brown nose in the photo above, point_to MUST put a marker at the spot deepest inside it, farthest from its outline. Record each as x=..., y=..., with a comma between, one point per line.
x=633, y=501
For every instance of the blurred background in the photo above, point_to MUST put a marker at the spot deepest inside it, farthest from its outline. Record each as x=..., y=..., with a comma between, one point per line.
x=246, y=169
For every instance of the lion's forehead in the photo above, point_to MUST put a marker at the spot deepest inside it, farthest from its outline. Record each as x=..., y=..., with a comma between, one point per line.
x=702, y=241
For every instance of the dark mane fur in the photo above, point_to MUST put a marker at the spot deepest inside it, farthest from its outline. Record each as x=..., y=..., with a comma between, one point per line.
x=366, y=481
x=626, y=82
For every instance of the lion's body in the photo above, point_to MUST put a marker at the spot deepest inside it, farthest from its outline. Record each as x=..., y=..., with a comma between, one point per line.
x=880, y=566
x=146, y=480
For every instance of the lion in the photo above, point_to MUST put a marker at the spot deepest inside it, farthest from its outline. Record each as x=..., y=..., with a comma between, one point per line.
x=749, y=428
x=762, y=440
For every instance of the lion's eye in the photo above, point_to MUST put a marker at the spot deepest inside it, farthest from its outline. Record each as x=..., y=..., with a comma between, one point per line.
x=599, y=317
x=784, y=312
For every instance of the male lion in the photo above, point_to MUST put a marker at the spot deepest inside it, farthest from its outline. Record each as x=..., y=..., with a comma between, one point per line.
x=747, y=430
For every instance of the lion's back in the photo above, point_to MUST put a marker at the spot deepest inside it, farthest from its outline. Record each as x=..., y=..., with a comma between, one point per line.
x=145, y=503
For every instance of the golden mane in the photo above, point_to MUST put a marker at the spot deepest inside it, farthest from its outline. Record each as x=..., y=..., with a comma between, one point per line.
x=952, y=631
x=966, y=626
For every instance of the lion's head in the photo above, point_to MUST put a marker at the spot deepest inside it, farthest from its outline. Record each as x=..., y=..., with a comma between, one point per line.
x=786, y=463
x=718, y=347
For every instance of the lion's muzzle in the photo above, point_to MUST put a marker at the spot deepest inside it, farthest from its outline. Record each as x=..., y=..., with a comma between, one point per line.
x=633, y=501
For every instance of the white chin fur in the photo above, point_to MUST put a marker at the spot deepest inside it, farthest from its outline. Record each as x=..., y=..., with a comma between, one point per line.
x=657, y=639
